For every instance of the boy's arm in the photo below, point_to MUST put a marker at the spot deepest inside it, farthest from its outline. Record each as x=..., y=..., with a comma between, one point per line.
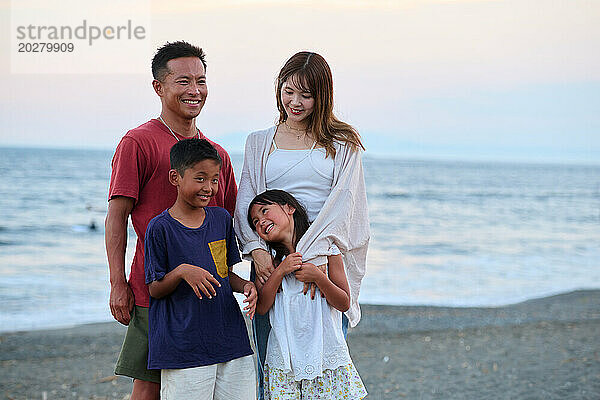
x=241, y=285
x=199, y=279
x=115, y=237
x=266, y=294
x=334, y=287
x=237, y=283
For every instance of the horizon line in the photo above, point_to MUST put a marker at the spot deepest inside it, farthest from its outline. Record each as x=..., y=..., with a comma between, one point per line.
x=417, y=157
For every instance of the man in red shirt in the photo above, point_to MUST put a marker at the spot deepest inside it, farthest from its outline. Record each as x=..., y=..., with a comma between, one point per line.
x=139, y=186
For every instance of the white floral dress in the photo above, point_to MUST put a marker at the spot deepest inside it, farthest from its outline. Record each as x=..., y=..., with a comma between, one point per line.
x=307, y=355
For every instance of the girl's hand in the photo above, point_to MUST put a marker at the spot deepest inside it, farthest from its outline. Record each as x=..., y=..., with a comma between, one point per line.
x=311, y=285
x=310, y=274
x=291, y=263
x=251, y=298
x=263, y=264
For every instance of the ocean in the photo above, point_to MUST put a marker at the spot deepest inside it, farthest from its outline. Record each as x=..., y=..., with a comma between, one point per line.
x=445, y=233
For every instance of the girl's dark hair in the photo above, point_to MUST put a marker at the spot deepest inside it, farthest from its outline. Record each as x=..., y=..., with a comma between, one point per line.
x=300, y=216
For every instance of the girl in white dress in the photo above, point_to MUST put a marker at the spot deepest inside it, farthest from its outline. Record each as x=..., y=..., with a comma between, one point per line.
x=307, y=356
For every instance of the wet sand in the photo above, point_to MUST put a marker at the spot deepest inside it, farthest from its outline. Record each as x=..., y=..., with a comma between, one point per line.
x=541, y=349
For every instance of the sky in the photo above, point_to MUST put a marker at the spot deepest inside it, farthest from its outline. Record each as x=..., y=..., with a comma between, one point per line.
x=451, y=79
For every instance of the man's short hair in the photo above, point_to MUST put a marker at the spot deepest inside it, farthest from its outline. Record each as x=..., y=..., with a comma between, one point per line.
x=186, y=153
x=171, y=51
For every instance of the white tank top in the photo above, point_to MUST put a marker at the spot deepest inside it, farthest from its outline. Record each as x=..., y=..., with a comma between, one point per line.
x=306, y=174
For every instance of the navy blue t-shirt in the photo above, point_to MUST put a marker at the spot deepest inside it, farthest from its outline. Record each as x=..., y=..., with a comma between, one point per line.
x=185, y=331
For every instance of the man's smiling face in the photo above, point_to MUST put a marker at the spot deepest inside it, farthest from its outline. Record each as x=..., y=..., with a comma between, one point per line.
x=183, y=90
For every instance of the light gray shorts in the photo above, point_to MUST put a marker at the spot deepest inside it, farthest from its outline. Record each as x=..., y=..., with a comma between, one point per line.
x=235, y=379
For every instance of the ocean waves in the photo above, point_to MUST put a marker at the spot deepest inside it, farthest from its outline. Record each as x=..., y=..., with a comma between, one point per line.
x=442, y=233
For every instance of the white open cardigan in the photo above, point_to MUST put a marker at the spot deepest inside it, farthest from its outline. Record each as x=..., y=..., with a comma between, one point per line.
x=343, y=220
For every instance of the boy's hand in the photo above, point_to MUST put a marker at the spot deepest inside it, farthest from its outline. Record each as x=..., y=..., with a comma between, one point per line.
x=251, y=298
x=292, y=263
x=310, y=275
x=200, y=280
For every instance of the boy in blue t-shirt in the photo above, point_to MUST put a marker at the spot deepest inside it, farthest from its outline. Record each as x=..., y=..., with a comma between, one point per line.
x=197, y=333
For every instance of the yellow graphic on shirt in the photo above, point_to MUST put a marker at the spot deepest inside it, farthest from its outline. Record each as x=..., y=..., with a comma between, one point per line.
x=218, y=250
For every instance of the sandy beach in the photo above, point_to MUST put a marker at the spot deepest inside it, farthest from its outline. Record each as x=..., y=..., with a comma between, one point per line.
x=541, y=349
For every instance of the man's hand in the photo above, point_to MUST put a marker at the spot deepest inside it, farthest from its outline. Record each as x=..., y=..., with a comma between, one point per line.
x=115, y=235
x=121, y=302
x=263, y=264
x=200, y=280
x=312, y=285
x=251, y=298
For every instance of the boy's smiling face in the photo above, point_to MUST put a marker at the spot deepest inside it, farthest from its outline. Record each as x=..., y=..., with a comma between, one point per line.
x=198, y=183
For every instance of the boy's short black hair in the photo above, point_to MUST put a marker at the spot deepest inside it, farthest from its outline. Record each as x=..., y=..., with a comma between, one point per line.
x=169, y=52
x=186, y=153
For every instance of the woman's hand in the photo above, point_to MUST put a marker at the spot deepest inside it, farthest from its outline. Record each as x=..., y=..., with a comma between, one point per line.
x=263, y=264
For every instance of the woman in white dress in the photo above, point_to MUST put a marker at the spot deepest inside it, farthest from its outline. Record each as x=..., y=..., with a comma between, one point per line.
x=317, y=158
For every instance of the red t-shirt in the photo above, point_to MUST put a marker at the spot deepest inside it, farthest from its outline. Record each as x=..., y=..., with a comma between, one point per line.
x=140, y=170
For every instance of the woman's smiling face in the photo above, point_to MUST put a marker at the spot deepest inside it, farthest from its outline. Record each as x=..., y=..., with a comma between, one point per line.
x=298, y=103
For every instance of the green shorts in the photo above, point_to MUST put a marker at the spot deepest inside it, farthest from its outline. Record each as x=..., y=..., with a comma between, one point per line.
x=133, y=360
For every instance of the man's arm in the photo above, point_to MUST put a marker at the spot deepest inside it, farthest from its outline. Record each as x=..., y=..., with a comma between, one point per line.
x=115, y=236
x=230, y=189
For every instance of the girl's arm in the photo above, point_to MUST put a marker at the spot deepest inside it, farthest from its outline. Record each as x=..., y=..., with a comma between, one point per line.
x=266, y=294
x=334, y=287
